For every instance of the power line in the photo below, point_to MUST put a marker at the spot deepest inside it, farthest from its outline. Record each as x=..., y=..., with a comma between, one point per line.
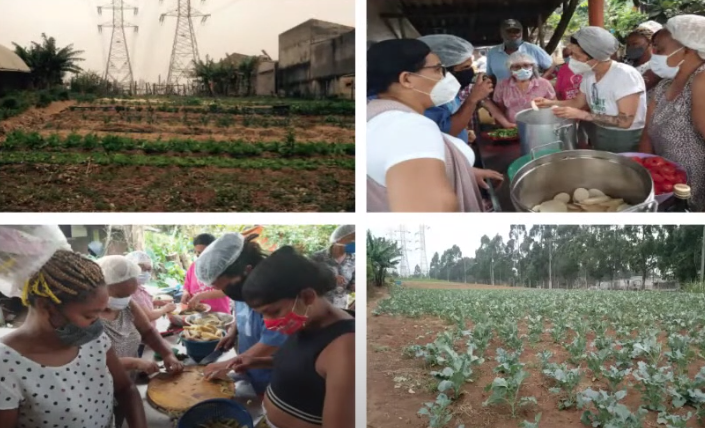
x=119, y=67
x=185, y=49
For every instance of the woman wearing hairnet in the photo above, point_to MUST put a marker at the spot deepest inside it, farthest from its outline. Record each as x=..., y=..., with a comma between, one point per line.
x=340, y=259
x=612, y=95
x=127, y=325
x=142, y=296
x=675, y=125
x=516, y=93
x=225, y=265
x=639, y=51
x=456, y=55
x=411, y=165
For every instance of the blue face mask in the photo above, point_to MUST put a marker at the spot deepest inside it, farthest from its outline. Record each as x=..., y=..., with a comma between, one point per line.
x=452, y=106
x=523, y=74
x=350, y=248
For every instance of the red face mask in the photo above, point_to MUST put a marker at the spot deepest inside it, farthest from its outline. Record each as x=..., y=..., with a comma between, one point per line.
x=289, y=324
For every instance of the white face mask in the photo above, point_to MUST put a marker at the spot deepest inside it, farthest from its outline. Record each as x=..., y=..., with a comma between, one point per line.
x=523, y=74
x=444, y=91
x=144, y=278
x=579, y=67
x=118, y=304
x=659, y=65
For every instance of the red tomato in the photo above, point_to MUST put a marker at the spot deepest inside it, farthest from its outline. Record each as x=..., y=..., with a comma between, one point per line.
x=667, y=187
x=680, y=178
x=659, y=161
x=638, y=160
x=658, y=178
x=650, y=162
x=668, y=169
x=668, y=178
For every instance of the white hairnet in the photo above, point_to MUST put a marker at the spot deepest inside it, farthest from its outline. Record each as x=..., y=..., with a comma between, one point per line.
x=341, y=232
x=140, y=257
x=117, y=269
x=652, y=26
x=218, y=256
x=23, y=251
x=452, y=50
x=597, y=42
x=688, y=30
x=520, y=58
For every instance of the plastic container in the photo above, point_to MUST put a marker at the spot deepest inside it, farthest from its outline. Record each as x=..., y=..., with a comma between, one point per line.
x=198, y=350
x=214, y=410
x=664, y=196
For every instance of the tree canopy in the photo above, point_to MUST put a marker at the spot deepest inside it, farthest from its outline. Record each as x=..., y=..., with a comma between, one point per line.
x=48, y=62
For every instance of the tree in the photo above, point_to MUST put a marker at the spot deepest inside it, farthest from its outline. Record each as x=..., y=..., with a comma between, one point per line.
x=248, y=67
x=383, y=255
x=49, y=63
x=417, y=272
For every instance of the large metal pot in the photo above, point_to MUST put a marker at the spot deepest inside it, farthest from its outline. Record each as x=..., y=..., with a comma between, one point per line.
x=617, y=176
x=540, y=127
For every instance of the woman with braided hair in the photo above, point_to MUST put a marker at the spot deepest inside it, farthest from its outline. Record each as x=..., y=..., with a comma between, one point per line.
x=58, y=369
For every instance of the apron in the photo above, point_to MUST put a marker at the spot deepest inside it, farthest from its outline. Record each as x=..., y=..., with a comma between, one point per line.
x=612, y=140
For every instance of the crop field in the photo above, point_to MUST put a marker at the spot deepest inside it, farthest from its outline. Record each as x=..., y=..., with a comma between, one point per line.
x=179, y=155
x=485, y=358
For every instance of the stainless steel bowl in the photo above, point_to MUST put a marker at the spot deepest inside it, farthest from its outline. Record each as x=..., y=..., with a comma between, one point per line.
x=617, y=176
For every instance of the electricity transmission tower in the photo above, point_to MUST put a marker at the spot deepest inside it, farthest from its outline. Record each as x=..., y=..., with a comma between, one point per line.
x=119, y=67
x=185, y=49
x=422, y=248
x=402, y=240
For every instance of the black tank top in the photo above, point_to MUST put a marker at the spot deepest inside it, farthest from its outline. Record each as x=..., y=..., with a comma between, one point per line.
x=296, y=388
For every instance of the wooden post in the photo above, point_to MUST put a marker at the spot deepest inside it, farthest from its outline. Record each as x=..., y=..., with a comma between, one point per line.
x=596, y=13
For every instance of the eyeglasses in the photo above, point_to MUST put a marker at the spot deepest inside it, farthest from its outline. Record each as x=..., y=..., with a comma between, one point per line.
x=437, y=68
x=517, y=67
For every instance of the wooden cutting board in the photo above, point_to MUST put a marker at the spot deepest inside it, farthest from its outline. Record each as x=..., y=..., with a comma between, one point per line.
x=174, y=394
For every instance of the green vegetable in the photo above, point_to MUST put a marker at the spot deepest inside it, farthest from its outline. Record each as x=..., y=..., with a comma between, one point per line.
x=504, y=133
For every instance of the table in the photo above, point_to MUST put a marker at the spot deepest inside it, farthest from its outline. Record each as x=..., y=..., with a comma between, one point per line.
x=243, y=390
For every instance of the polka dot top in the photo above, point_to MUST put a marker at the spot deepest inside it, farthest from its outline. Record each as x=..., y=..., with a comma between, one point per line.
x=79, y=394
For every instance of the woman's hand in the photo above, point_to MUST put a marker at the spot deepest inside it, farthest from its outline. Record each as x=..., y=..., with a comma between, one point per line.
x=168, y=308
x=481, y=89
x=172, y=364
x=545, y=103
x=227, y=342
x=242, y=363
x=482, y=174
x=571, y=113
x=216, y=370
x=147, y=367
x=185, y=297
x=195, y=300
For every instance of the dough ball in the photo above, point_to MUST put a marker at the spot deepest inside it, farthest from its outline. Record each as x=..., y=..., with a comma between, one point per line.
x=562, y=197
x=595, y=193
x=554, y=206
x=580, y=195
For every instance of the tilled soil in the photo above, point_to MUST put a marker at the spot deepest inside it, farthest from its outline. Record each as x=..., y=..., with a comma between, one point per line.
x=398, y=386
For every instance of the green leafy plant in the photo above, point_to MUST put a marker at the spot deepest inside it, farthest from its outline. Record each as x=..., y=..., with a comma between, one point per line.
x=604, y=410
x=506, y=391
x=437, y=412
x=567, y=381
x=653, y=382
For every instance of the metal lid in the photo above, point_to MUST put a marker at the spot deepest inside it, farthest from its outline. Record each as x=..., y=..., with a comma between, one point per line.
x=681, y=191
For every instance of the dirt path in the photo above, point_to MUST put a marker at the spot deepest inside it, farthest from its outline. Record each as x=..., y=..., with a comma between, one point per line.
x=34, y=118
x=442, y=285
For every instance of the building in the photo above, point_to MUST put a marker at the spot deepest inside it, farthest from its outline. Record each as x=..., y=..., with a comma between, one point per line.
x=14, y=73
x=317, y=60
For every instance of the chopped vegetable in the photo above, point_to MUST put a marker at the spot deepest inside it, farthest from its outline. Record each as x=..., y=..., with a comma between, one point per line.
x=663, y=173
x=504, y=133
x=592, y=201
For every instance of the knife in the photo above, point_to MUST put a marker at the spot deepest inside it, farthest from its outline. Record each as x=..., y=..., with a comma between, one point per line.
x=212, y=357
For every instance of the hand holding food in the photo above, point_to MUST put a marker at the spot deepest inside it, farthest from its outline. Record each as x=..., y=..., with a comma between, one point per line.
x=542, y=103
x=186, y=297
x=169, y=308
x=194, y=301
x=216, y=370
x=241, y=363
x=148, y=367
x=172, y=364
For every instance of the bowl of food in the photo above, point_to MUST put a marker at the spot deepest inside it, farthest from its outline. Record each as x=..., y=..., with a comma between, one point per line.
x=664, y=173
x=583, y=181
x=215, y=319
x=201, y=340
x=184, y=310
x=216, y=413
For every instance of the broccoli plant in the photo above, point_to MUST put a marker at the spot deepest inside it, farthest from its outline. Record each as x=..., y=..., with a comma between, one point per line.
x=544, y=357
x=576, y=348
x=604, y=410
x=673, y=421
x=652, y=384
x=614, y=376
x=685, y=391
x=648, y=348
x=567, y=381
x=508, y=362
x=454, y=376
x=534, y=424
x=595, y=361
x=535, y=328
x=506, y=391
x=602, y=342
x=509, y=333
x=481, y=336
x=437, y=412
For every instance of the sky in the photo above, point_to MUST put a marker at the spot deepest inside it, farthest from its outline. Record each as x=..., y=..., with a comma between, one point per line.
x=440, y=237
x=236, y=26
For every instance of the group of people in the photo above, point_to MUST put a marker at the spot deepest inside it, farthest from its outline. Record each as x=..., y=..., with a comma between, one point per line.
x=74, y=360
x=423, y=95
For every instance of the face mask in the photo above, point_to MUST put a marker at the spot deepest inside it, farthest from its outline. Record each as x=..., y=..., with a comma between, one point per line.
x=444, y=91
x=579, y=67
x=513, y=43
x=523, y=74
x=350, y=248
x=118, y=304
x=659, y=65
x=289, y=324
x=566, y=60
x=464, y=77
x=635, y=53
x=144, y=278
x=72, y=335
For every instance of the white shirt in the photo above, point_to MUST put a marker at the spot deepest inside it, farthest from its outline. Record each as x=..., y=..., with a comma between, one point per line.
x=79, y=394
x=394, y=137
x=621, y=80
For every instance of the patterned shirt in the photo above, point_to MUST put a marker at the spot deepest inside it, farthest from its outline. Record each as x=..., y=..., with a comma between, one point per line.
x=509, y=95
x=144, y=299
x=344, y=268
